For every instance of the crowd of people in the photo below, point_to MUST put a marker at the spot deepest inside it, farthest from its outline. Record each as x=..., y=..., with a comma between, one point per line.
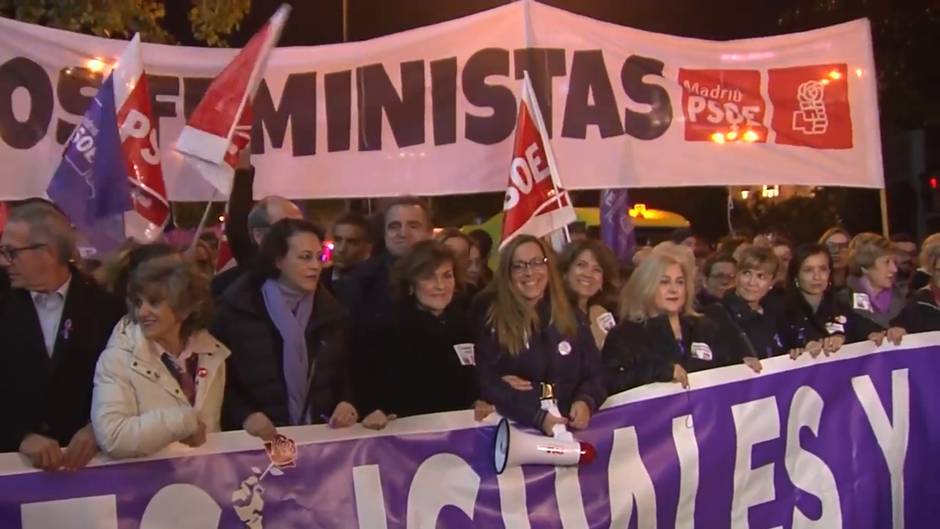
x=154, y=350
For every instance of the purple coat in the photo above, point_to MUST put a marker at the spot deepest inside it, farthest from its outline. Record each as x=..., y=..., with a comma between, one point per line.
x=575, y=369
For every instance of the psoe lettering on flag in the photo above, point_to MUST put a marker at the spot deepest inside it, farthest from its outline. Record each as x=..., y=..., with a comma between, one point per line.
x=138, y=132
x=220, y=126
x=110, y=181
x=535, y=202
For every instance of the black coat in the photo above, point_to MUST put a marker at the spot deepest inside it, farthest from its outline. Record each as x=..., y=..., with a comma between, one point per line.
x=748, y=333
x=255, y=375
x=862, y=322
x=802, y=325
x=637, y=353
x=922, y=313
x=576, y=375
x=421, y=370
x=52, y=396
x=920, y=278
x=368, y=296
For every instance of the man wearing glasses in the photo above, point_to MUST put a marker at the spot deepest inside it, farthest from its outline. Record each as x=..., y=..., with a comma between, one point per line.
x=54, y=323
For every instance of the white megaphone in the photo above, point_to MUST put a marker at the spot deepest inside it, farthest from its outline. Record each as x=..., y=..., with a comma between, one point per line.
x=514, y=448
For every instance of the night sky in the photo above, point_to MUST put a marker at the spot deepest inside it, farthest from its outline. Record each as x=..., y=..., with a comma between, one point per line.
x=912, y=32
x=320, y=21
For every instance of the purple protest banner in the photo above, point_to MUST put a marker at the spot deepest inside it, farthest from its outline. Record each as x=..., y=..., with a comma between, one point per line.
x=847, y=441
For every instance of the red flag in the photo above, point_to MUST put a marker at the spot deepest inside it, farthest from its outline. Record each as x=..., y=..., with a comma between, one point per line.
x=534, y=203
x=214, y=123
x=225, y=259
x=138, y=133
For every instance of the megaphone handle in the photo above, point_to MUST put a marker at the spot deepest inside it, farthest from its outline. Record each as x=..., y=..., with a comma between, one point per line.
x=559, y=431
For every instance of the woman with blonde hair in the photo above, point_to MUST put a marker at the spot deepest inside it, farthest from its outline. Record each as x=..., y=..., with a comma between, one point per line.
x=660, y=338
x=163, y=380
x=871, y=295
x=535, y=345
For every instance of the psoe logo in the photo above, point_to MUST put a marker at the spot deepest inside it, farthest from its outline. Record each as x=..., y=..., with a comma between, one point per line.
x=811, y=117
x=811, y=106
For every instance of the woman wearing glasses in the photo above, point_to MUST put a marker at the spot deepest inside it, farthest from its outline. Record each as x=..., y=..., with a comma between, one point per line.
x=535, y=345
x=287, y=337
x=660, y=338
x=836, y=240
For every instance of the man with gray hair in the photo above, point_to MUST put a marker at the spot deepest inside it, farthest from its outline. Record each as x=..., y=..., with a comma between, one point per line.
x=54, y=323
x=266, y=212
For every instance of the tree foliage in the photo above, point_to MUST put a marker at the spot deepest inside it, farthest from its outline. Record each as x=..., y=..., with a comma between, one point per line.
x=906, y=38
x=212, y=20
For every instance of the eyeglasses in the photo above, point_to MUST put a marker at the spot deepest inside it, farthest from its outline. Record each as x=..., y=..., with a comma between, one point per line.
x=723, y=277
x=10, y=253
x=519, y=267
x=837, y=246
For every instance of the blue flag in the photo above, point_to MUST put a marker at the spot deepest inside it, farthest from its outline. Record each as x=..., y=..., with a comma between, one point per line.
x=91, y=184
x=616, y=224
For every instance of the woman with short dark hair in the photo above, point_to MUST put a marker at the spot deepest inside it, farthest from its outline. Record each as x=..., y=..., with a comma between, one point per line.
x=288, y=338
x=428, y=363
x=164, y=381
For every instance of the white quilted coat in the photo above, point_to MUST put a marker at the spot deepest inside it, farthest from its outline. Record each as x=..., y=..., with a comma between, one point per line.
x=138, y=408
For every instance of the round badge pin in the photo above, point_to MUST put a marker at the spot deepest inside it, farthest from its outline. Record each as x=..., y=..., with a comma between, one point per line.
x=202, y=372
x=564, y=348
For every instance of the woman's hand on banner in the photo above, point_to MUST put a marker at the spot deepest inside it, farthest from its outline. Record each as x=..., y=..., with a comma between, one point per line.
x=580, y=415
x=259, y=425
x=344, y=415
x=377, y=420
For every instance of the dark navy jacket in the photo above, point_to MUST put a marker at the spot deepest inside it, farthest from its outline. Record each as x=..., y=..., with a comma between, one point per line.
x=571, y=363
x=746, y=331
x=922, y=313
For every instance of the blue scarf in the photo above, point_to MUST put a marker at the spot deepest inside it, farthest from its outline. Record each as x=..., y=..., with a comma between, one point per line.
x=291, y=311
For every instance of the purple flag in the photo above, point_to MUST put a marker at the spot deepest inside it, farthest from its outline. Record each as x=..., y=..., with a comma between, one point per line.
x=616, y=225
x=91, y=184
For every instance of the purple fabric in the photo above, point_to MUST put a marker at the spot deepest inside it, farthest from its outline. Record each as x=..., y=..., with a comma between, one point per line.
x=91, y=183
x=325, y=489
x=290, y=312
x=617, y=230
x=881, y=302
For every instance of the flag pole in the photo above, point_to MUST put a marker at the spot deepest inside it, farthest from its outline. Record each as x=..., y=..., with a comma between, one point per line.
x=539, y=122
x=883, y=199
x=549, y=155
x=204, y=220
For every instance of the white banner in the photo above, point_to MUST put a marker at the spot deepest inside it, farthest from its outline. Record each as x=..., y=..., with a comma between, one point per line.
x=431, y=111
